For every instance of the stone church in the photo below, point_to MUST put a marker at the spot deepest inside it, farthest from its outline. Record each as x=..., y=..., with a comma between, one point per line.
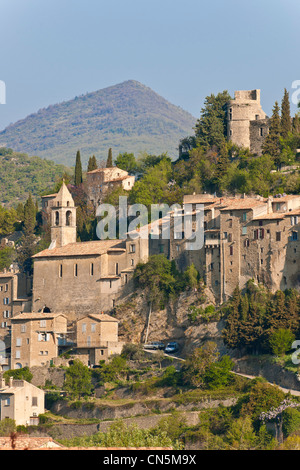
x=82, y=278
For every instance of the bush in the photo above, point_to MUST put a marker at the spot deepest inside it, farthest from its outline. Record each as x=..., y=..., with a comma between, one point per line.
x=281, y=341
x=7, y=426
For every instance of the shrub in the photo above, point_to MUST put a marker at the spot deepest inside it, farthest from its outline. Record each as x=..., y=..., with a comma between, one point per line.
x=281, y=341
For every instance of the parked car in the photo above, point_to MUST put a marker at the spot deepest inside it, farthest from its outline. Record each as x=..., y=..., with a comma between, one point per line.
x=171, y=347
x=155, y=345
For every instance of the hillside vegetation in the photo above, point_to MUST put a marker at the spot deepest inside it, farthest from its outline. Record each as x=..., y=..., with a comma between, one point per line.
x=126, y=117
x=21, y=174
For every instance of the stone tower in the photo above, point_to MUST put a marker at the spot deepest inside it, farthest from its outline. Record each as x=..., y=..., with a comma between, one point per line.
x=63, y=219
x=247, y=123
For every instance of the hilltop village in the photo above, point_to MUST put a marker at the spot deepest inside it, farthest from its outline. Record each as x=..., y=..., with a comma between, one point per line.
x=71, y=298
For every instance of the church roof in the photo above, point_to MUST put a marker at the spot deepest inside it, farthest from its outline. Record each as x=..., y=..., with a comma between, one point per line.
x=98, y=247
x=64, y=197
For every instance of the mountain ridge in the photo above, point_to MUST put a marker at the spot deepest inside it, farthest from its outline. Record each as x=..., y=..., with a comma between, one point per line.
x=128, y=117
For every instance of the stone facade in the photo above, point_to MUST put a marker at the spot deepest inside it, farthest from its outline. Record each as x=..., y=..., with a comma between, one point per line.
x=81, y=278
x=21, y=401
x=35, y=338
x=244, y=238
x=103, y=180
x=247, y=123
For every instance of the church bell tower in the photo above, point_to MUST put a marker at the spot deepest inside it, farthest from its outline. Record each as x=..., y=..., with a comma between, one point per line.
x=63, y=219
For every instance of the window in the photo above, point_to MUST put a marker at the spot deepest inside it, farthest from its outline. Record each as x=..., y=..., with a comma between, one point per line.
x=92, y=269
x=7, y=401
x=6, y=314
x=230, y=114
x=261, y=130
x=6, y=287
x=247, y=243
x=34, y=401
x=18, y=354
x=23, y=328
x=56, y=218
x=278, y=236
x=244, y=216
x=294, y=236
x=132, y=248
x=69, y=218
x=132, y=261
x=231, y=250
x=42, y=323
x=60, y=270
x=6, y=300
x=244, y=231
x=126, y=278
x=161, y=248
x=117, y=269
x=18, y=342
x=83, y=327
x=75, y=270
x=230, y=223
x=230, y=237
x=93, y=327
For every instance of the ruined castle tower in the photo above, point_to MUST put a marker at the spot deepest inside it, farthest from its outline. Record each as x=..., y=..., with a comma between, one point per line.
x=63, y=219
x=247, y=123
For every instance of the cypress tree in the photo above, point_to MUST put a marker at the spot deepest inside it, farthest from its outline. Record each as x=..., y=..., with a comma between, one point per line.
x=296, y=125
x=109, y=162
x=286, y=123
x=222, y=165
x=78, y=170
x=272, y=144
x=24, y=256
x=92, y=164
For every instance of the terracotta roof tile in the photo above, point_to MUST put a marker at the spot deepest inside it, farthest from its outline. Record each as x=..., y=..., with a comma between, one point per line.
x=83, y=249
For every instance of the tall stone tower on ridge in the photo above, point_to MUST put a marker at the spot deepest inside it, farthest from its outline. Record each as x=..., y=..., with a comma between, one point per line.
x=63, y=219
x=247, y=123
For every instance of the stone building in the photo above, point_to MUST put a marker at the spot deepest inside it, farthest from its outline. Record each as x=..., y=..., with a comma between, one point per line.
x=244, y=238
x=36, y=338
x=103, y=180
x=21, y=401
x=82, y=277
x=15, y=297
x=247, y=123
x=96, y=338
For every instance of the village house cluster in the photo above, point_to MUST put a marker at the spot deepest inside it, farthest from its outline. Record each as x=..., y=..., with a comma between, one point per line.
x=76, y=285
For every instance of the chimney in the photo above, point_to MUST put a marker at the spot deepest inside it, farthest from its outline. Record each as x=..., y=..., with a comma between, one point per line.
x=11, y=381
x=2, y=382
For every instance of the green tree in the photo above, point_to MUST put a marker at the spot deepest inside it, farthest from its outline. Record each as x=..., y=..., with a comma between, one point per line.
x=109, y=162
x=198, y=363
x=92, y=164
x=78, y=170
x=28, y=239
x=272, y=145
x=78, y=380
x=211, y=127
x=281, y=341
x=286, y=121
x=126, y=161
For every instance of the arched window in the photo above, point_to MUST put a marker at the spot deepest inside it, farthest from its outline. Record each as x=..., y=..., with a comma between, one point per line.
x=68, y=218
x=56, y=218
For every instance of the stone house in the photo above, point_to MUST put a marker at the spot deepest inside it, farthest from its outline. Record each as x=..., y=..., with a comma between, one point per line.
x=103, y=180
x=36, y=338
x=244, y=238
x=96, y=338
x=21, y=401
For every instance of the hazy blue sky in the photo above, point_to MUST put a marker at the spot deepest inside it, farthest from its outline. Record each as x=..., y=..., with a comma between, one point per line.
x=183, y=49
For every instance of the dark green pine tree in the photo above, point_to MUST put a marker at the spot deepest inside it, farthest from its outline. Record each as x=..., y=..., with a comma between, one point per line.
x=92, y=164
x=286, y=122
x=78, y=170
x=231, y=332
x=296, y=125
x=109, y=162
x=272, y=144
x=27, y=248
x=222, y=166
